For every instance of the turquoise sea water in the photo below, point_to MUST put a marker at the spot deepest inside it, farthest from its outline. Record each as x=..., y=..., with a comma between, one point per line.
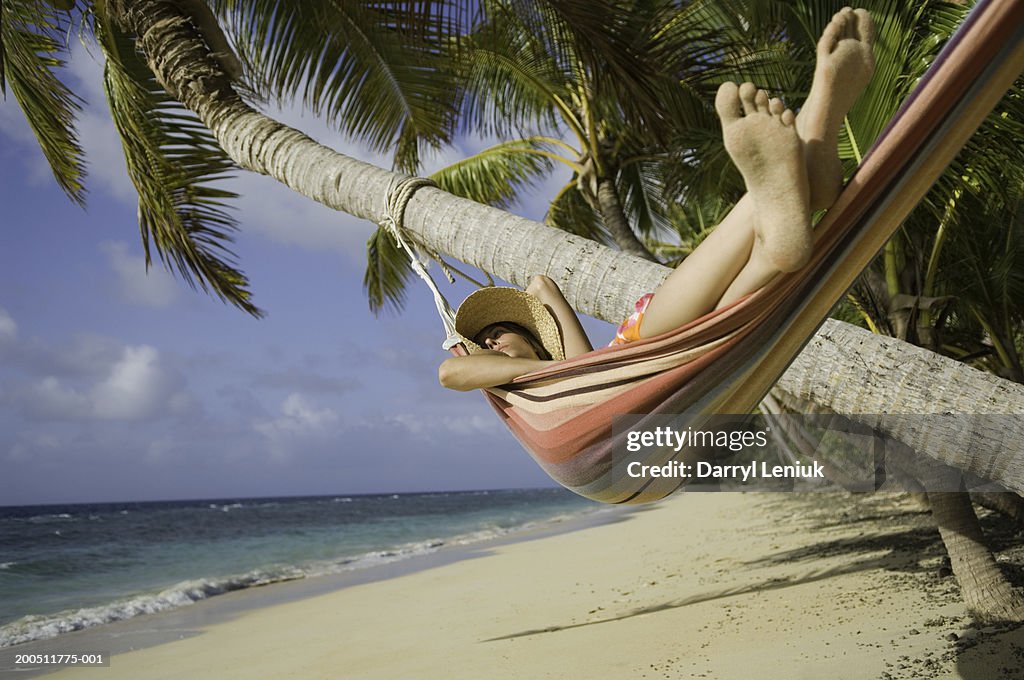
x=64, y=568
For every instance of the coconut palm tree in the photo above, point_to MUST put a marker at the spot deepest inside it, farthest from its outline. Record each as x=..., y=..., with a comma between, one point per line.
x=526, y=69
x=531, y=82
x=184, y=123
x=376, y=70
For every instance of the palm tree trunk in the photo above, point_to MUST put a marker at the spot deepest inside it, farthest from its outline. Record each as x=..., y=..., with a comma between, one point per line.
x=615, y=221
x=1003, y=502
x=849, y=373
x=595, y=279
x=987, y=594
x=857, y=373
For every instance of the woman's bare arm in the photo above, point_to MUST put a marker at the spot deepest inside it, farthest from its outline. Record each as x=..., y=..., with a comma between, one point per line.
x=485, y=368
x=573, y=336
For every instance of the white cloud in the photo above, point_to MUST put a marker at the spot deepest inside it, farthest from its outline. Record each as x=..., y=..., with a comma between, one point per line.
x=274, y=211
x=8, y=328
x=153, y=288
x=299, y=424
x=50, y=398
x=13, y=124
x=35, y=445
x=298, y=416
x=134, y=387
x=463, y=424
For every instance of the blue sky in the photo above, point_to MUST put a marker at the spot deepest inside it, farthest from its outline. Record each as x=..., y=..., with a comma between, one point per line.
x=116, y=384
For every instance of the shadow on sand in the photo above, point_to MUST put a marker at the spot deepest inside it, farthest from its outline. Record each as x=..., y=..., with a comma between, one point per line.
x=897, y=539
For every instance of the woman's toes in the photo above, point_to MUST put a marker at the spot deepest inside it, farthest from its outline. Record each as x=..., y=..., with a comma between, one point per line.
x=748, y=97
x=727, y=102
x=761, y=100
x=865, y=26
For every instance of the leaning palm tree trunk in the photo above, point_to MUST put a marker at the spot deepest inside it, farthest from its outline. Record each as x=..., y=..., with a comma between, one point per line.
x=987, y=594
x=861, y=375
x=602, y=281
x=596, y=280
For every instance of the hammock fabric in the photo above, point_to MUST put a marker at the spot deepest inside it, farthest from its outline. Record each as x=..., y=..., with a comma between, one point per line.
x=727, y=361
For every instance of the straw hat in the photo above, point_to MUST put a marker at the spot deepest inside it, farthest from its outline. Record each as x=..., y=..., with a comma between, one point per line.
x=496, y=304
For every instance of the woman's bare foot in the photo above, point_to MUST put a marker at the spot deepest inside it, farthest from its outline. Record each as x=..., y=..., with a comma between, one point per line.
x=761, y=138
x=846, y=62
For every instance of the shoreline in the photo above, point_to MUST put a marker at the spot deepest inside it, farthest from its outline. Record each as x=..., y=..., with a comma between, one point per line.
x=713, y=585
x=158, y=628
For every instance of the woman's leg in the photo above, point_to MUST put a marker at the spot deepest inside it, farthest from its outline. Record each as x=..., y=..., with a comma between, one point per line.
x=768, y=231
x=846, y=62
x=731, y=261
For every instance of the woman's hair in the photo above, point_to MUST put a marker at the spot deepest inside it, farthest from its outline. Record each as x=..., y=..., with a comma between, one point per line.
x=518, y=330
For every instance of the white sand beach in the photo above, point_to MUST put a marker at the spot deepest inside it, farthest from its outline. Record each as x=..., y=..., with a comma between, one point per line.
x=712, y=585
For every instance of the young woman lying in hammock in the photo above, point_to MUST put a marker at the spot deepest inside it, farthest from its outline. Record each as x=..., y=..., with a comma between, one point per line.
x=790, y=165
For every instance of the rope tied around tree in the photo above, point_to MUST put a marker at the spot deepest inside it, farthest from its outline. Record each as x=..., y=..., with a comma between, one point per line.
x=419, y=255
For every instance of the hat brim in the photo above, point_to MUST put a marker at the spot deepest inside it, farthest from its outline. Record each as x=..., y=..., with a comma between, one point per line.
x=496, y=304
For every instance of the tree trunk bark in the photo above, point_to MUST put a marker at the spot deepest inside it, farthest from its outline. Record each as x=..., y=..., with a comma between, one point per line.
x=848, y=370
x=986, y=592
x=930, y=402
x=1005, y=503
x=615, y=221
x=595, y=279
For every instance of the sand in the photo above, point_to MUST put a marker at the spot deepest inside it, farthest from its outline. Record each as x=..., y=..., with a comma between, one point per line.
x=704, y=585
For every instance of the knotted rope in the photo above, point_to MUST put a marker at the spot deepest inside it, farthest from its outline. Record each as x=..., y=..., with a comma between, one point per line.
x=419, y=255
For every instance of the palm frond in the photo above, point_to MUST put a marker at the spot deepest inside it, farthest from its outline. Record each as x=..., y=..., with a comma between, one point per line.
x=32, y=47
x=495, y=175
x=512, y=81
x=581, y=34
x=643, y=192
x=570, y=212
x=387, y=272
x=174, y=163
x=377, y=70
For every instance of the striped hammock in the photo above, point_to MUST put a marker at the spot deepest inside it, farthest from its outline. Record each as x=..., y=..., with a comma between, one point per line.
x=727, y=361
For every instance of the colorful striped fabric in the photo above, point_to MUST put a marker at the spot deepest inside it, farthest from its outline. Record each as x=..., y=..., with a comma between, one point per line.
x=728, y=360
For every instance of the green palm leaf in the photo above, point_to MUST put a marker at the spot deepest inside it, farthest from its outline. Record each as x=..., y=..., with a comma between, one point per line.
x=512, y=80
x=570, y=212
x=174, y=162
x=495, y=175
x=377, y=70
x=31, y=48
x=643, y=192
x=387, y=272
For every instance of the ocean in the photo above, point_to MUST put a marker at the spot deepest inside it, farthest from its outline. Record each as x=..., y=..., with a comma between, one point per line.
x=69, y=567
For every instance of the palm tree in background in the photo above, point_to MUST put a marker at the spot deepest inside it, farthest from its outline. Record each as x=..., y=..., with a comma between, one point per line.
x=566, y=84
x=186, y=119
x=529, y=82
x=952, y=277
